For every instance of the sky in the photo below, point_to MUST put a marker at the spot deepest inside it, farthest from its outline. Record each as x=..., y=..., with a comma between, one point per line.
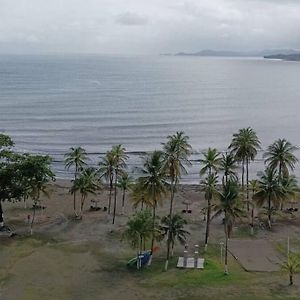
x=147, y=26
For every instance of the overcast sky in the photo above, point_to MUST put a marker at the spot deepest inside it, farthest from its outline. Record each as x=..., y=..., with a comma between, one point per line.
x=147, y=26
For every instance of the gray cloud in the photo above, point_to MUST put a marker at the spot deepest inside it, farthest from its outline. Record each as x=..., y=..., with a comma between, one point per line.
x=130, y=18
x=171, y=25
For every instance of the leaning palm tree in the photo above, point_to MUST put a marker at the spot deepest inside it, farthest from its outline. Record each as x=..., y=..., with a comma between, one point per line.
x=209, y=186
x=229, y=166
x=119, y=165
x=106, y=170
x=173, y=229
x=125, y=183
x=76, y=157
x=87, y=183
x=292, y=266
x=270, y=192
x=210, y=162
x=153, y=185
x=244, y=146
x=230, y=206
x=176, y=151
x=280, y=156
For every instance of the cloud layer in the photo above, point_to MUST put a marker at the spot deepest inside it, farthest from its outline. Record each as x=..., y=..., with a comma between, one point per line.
x=142, y=26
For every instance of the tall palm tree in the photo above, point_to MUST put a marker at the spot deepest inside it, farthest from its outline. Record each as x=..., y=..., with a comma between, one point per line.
x=87, y=183
x=254, y=189
x=209, y=186
x=173, y=229
x=153, y=184
x=228, y=166
x=119, y=164
x=176, y=151
x=106, y=170
x=244, y=146
x=230, y=206
x=280, y=156
x=76, y=157
x=211, y=161
x=125, y=183
x=292, y=266
x=269, y=191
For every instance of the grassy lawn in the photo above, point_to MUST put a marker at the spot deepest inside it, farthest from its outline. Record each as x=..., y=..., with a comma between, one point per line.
x=41, y=269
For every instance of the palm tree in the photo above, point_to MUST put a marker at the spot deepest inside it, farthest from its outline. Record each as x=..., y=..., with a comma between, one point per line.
x=173, y=229
x=244, y=146
x=125, y=183
x=280, y=156
x=137, y=196
x=153, y=185
x=292, y=266
x=228, y=166
x=209, y=186
x=176, y=151
x=210, y=162
x=138, y=231
x=87, y=183
x=229, y=205
x=254, y=189
x=269, y=191
x=119, y=164
x=106, y=170
x=76, y=157
x=290, y=188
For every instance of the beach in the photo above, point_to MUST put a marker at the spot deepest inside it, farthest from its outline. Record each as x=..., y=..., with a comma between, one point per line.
x=70, y=259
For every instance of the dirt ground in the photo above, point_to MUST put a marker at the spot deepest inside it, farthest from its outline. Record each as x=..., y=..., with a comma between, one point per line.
x=67, y=259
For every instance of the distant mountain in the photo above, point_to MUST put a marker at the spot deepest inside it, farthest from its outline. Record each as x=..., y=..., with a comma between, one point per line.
x=221, y=53
x=209, y=52
x=289, y=57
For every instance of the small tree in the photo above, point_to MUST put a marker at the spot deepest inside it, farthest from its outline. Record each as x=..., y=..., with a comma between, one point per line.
x=138, y=231
x=39, y=174
x=125, y=183
x=87, y=183
x=291, y=266
x=76, y=158
x=173, y=229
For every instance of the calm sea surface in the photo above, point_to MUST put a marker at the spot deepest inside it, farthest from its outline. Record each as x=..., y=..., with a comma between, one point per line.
x=50, y=103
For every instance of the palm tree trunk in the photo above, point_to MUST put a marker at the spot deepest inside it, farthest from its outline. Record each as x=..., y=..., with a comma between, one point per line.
x=173, y=184
x=252, y=221
x=291, y=279
x=123, y=201
x=81, y=206
x=115, y=198
x=243, y=173
x=226, y=256
x=153, y=232
x=269, y=212
x=226, y=247
x=1, y=215
x=33, y=217
x=110, y=193
x=247, y=182
x=74, y=196
x=207, y=223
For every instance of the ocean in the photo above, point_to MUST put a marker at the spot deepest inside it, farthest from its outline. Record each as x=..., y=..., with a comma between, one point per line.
x=52, y=102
